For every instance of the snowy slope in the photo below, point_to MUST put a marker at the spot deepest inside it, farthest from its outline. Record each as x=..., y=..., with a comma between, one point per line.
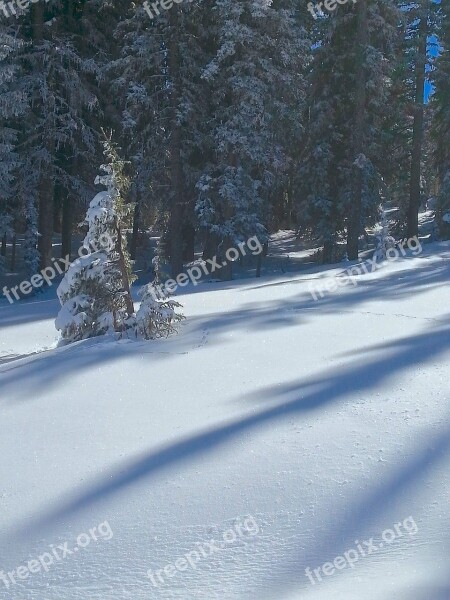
x=325, y=423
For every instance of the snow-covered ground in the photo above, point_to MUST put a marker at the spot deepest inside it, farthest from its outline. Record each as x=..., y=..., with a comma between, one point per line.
x=307, y=427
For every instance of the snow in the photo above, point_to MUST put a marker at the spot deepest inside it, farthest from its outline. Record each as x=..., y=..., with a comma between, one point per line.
x=91, y=265
x=68, y=315
x=327, y=422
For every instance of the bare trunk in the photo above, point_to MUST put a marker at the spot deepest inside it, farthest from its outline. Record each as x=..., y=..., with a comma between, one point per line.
x=46, y=184
x=124, y=271
x=327, y=254
x=66, y=227
x=189, y=233
x=354, y=219
x=417, y=143
x=258, y=265
x=57, y=208
x=45, y=221
x=13, y=252
x=176, y=239
x=135, y=232
x=210, y=247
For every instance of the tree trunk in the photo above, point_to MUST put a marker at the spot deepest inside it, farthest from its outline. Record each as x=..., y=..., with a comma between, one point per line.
x=135, y=232
x=46, y=183
x=45, y=221
x=57, y=208
x=258, y=265
x=327, y=254
x=66, y=227
x=210, y=247
x=188, y=239
x=354, y=220
x=124, y=271
x=226, y=271
x=417, y=142
x=13, y=252
x=176, y=166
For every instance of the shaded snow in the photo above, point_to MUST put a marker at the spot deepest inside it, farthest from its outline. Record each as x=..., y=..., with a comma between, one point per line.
x=326, y=421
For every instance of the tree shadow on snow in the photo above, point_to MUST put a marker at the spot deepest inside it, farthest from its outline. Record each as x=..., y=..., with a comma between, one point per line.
x=298, y=309
x=28, y=311
x=295, y=399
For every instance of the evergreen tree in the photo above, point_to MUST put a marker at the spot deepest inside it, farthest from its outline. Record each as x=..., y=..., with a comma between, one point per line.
x=58, y=140
x=256, y=89
x=419, y=28
x=157, y=78
x=385, y=241
x=95, y=292
x=156, y=317
x=441, y=120
x=13, y=105
x=350, y=83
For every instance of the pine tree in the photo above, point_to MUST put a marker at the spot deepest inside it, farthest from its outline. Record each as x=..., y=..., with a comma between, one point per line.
x=256, y=88
x=157, y=78
x=13, y=105
x=441, y=120
x=418, y=31
x=57, y=139
x=156, y=317
x=385, y=241
x=95, y=292
x=350, y=82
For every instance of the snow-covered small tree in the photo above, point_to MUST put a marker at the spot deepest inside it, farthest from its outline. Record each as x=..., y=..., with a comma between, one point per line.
x=385, y=241
x=156, y=317
x=95, y=292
